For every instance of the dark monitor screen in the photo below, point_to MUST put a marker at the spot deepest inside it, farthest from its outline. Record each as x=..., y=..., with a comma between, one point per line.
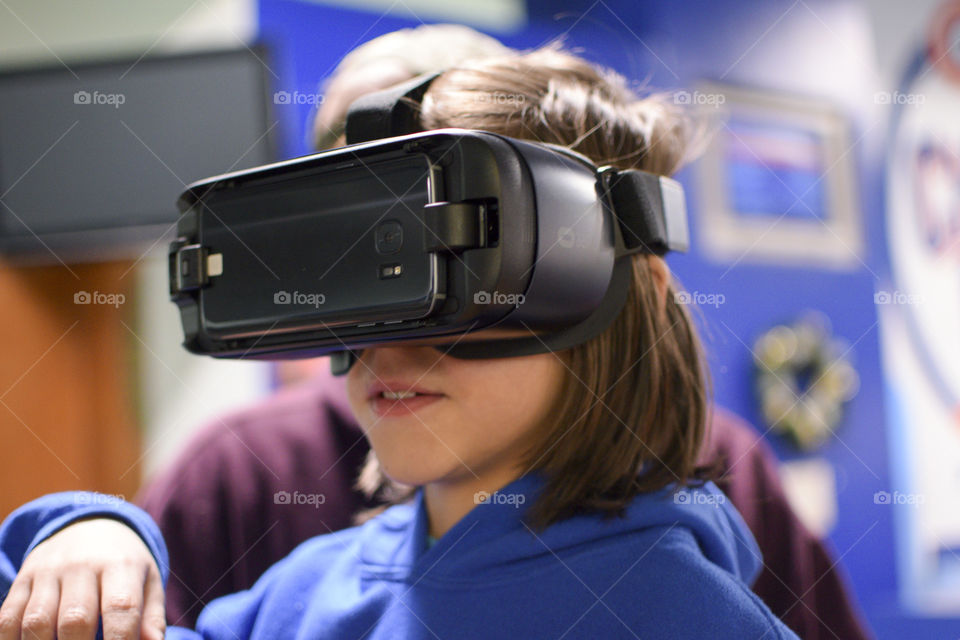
x=93, y=157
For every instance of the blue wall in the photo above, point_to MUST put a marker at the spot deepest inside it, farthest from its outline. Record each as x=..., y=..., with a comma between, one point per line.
x=814, y=48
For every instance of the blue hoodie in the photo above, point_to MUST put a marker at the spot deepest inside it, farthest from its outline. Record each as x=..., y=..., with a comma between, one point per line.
x=676, y=566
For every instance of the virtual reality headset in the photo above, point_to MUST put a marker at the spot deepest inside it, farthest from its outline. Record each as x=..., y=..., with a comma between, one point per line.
x=423, y=238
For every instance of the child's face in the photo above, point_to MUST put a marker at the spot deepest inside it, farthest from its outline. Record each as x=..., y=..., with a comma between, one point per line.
x=474, y=425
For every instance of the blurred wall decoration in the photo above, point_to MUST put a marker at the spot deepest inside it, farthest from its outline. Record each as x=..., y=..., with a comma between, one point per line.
x=919, y=303
x=803, y=380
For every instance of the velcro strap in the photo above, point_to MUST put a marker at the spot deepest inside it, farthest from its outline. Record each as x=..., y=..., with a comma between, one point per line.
x=387, y=113
x=651, y=211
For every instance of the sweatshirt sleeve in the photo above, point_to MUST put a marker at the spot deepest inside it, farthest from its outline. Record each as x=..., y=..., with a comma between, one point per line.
x=228, y=618
x=36, y=521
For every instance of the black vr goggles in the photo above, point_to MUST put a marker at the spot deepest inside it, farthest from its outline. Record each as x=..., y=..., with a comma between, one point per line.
x=427, y=237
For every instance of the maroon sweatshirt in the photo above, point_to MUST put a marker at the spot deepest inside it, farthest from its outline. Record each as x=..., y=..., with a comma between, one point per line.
x=225, y=513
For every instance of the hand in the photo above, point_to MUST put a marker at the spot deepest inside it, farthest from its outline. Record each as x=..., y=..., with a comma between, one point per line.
x=88, y=568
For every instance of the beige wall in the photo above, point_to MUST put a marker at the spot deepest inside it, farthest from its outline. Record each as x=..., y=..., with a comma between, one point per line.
x=48, y=31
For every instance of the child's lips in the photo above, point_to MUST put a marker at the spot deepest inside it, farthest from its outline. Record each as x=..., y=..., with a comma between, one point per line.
x=384, y=407
x=396, y=386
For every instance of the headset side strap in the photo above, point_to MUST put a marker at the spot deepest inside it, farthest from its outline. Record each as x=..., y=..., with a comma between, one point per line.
x=651, y=210
x=387, y=113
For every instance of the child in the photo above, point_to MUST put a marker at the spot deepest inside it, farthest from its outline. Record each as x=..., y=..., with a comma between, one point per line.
x=547, y=493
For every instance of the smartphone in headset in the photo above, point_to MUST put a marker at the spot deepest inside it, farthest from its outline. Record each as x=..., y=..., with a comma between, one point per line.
x=341, y=246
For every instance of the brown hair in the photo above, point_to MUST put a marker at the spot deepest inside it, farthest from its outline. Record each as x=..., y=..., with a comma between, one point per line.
x=631, y=414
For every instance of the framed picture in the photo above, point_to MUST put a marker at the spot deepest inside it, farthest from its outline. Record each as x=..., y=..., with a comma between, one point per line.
x=777, y=181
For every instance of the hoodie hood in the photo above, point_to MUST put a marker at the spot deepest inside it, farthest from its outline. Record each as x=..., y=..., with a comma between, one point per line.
x=492, y=543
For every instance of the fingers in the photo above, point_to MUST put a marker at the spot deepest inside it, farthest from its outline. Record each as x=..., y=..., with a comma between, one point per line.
x=11, y=613
x=72, y=608
x=91, y=570
x=121, y=601
x=154, y=613
x=79, y=606
x=40, y=615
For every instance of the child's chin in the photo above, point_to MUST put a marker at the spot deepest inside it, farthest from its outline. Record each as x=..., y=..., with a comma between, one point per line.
x=412, y=477
x=414, y=472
